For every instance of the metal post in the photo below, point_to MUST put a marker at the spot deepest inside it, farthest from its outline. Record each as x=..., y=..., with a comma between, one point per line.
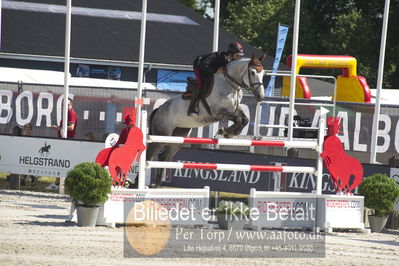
x=293, y=69
x=142, y=163
x=215, y=47
x=1, y=11
x=258, y=114
x=141, y=59
x=66, y=67
x=374, y=133
x=64, y=125
x=322, y=128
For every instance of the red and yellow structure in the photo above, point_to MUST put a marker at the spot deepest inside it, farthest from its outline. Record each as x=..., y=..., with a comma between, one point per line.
x=350, y=86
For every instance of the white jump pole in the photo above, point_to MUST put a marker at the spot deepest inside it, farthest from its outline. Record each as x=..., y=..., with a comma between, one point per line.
x=233, y=142
x=376, y=119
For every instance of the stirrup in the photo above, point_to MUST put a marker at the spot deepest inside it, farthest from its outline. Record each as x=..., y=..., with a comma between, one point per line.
x=193, y=111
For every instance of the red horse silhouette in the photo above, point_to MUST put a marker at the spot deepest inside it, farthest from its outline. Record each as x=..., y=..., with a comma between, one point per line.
x=340, y=165
x=119, y=159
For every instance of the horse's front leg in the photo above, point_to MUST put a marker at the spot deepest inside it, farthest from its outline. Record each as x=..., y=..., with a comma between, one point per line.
x=240, y=120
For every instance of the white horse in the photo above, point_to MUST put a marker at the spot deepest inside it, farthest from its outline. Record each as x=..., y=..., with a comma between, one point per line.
x=171, y=118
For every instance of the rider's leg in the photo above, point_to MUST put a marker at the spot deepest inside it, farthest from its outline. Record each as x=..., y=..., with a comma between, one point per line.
x=192, y=110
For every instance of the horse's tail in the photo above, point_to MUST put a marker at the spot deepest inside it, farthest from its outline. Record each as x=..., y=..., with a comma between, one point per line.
x=150, y=122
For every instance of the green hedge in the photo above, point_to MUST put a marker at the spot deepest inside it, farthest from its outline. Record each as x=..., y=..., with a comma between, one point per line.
x=88, y=184
x=380, y=193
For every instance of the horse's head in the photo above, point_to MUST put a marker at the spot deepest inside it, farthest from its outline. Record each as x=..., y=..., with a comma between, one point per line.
x=247, y=73
x=255, y=77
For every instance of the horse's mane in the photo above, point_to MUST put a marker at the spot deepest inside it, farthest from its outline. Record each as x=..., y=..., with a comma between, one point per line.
x=239, y=60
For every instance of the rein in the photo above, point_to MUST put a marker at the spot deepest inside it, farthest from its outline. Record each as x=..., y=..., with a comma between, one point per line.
x=230, y=78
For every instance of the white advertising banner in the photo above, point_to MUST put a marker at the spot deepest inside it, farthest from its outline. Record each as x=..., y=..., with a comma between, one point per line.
x=282, y=209
x=184, y=206
x=292, y=210
x=341, y=211
x=44, y=156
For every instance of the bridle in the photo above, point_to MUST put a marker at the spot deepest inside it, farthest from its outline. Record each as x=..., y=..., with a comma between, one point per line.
x=250, y=88
x=258, y=68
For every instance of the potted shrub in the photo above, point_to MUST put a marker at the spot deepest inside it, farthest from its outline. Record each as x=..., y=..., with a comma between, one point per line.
x=232, y=214
x=380, y=194
x=89, y=185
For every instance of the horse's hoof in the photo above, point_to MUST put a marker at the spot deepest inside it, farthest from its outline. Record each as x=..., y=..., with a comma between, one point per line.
x=228, y=136
x=220, y=131
x=154, y=185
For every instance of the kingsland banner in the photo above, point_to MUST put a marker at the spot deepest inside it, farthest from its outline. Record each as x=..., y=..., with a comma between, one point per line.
x=99, y=111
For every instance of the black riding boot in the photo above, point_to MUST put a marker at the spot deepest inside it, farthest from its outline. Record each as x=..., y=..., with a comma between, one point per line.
x=193, y=108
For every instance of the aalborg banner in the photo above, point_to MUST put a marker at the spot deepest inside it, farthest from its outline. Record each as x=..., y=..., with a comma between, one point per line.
x=99, y=110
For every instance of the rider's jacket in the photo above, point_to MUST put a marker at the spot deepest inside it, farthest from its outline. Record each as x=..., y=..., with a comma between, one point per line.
x=211, y=62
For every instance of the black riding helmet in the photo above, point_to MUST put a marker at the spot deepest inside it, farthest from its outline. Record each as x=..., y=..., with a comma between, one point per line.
x=236, y=48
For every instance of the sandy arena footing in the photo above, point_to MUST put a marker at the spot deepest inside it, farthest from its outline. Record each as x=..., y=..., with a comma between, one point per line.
x=34, y=232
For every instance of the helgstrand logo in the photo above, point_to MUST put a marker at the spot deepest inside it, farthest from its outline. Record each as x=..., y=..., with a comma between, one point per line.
x=45, y=150
x=44, y=159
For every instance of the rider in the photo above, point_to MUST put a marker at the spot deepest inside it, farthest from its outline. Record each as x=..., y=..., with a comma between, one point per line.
x=207, y=65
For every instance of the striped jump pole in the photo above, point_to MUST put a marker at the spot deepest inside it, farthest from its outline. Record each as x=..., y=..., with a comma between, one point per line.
x=233, y=142
x=231, y=167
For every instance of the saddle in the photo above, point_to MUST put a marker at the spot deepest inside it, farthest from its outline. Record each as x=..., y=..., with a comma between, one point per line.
x=192, y=84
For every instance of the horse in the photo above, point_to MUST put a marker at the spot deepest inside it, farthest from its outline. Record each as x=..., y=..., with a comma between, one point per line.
x=45, y=149
x=171, y=118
